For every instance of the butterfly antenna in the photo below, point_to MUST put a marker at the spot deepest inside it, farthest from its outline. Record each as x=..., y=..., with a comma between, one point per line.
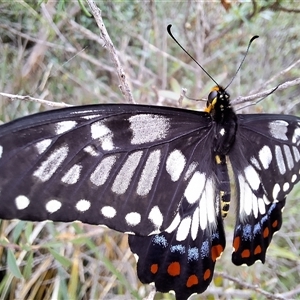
x=238, y=69
x=172, y=36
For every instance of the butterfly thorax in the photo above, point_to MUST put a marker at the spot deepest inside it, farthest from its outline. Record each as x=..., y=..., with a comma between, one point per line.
x=224, y=127
x=219, y=108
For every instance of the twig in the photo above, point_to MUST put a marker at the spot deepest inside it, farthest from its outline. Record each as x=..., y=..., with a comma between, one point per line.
x=124, y=86
x=182, y=96
x=32, y=99
x=273, y=78
x=291, y=294
x=251, y=287
x=265, y=93
x=66, y=48
x=86, y=32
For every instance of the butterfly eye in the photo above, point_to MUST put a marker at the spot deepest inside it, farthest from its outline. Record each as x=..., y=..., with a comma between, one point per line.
x=212, y=95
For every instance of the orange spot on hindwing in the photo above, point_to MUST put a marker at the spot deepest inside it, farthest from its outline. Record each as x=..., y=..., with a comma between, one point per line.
x=216, y=251
x=266, y=232
x=236, y=243
x=207, y=274
x=257, y=250
x=275, y=224
x=245, y=253
x=192, y=280
x=154, y=268
x=174, y=269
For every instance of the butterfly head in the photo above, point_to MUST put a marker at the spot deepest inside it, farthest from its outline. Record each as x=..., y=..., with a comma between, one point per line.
x=218, y=103
x=218, y=98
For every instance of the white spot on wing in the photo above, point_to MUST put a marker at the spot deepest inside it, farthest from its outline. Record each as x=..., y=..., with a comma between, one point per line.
x=91, y=150
x=278, y=129
x=43, y=145
x=265, y=156
x=108, y=212
x=210, y=195
x=83, y=205
x=289, y=157
x=279, y=159
x=261, y=206
x=207, y=205
x=246, y=197
x=156, y=217
x=255, y=162
x=276, y=190
x=149, y=173
x=64, y=126
x=194, y=187
x=1, y=151
x=254, y=206
x=174, y=223
x=183, y=229
x=296, y=136
x=286, y=186
x=222, y=131
x=195, y=224
x=73, y=175
x=133, y=218
x=252, y=177
x=102, y=171
x=53, y=206
x=294, y=178
x=266, y=200
x=175, y=164
x=192, y=167
x=148, y=128
x=49, y=166
x=296, y=154
x=124, y=177
x=101, y=132
x=22, y=202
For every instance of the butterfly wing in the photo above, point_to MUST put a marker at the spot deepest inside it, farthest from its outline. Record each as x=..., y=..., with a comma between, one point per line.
x=183, y=266
x=118, y=165
x=182, y=259
x=265, y=160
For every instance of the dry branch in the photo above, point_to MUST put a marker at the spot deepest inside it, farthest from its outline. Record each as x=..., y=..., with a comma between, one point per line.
x=32, y=99
x=124, y=85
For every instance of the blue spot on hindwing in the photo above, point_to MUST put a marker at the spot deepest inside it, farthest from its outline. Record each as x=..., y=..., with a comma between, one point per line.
x=193, y=254
x=257, y=229
x=160, y=240
x=247, y=232
x=177, y=248
x=205, y=249
x=215, y=235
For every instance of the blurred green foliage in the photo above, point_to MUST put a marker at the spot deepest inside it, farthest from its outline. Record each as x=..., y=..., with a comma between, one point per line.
x=51, y=50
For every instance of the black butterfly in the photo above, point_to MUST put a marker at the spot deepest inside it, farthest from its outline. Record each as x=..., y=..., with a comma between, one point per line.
x=159, y=173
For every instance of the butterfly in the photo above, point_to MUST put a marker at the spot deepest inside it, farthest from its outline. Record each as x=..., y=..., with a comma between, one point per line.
x=159, y=174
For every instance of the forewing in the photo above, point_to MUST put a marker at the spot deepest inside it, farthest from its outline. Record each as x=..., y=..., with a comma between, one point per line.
x=124, y=166
x=266, y=161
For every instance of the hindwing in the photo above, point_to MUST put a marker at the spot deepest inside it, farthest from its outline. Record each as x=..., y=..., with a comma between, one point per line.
x=266, y=161
x=183, y=265
x=182, y=259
